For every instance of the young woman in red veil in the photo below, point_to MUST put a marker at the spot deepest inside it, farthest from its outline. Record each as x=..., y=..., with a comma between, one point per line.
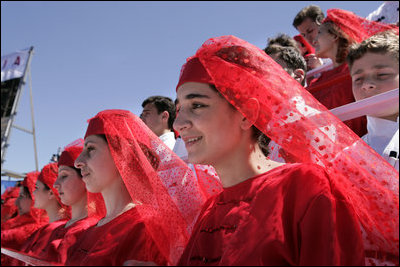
x=152, y=197
x=86, y=209
x=337, y=203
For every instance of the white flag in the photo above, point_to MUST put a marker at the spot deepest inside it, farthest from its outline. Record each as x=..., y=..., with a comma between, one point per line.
x=13, y=65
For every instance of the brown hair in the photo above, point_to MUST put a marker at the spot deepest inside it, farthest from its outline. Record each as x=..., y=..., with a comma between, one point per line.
x=381, y=43
x=313, y=12
x=344, y=41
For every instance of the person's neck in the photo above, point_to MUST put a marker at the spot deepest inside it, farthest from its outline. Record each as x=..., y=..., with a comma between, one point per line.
x=78, y=211
x=53, y=211
x=246, y=162
x=164, y=132
x=117, y=200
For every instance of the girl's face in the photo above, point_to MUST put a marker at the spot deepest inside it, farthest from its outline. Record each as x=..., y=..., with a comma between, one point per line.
x=69, y=185
x=208, y=124
x=42, y=195
x=97, y=164
x=23, y=202
x=325, y=43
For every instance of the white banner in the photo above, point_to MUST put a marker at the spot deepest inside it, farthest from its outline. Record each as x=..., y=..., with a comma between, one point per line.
x=13, y=65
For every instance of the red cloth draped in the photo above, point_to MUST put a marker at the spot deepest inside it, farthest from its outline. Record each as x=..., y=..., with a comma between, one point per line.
x=164, y=188
x=111, y=244
x=271, y=219
x=356, y=28
x=64, y=237
x=8, y=208
x=334, y=89
x=291, y=117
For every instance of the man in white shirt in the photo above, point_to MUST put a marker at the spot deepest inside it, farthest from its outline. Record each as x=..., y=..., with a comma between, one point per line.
x=159, y=115
x=374, y=69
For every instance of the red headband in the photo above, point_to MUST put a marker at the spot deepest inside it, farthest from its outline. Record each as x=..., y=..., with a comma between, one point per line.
x=193, y=71
x=96, y=126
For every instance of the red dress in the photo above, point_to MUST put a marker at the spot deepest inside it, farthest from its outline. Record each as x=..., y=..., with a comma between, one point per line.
x=124, y=238
x=287, y=216
x=334, y=89
x=16, y=231
x=63, y=237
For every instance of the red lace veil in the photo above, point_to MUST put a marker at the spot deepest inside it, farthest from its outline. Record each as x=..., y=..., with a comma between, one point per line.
x=291, y=116
x=168, y=195
x=48, y=176
x=356, y=28
x=95, y=202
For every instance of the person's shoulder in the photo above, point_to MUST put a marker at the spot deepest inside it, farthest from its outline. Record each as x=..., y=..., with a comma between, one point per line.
x=305, y=175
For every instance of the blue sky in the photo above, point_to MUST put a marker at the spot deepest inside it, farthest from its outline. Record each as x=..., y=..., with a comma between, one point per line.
x=91, y=56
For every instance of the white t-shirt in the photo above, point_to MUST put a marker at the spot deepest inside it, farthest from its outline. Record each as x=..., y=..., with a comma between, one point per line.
x=383, y=137
x=168, y=139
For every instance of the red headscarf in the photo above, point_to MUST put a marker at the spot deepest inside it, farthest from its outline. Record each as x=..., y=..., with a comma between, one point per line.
x=48, y=176
x=291, y=117
x=95, y=202
x=310, y=50
x=168, y=193
x=8, y=207
x=356, y=28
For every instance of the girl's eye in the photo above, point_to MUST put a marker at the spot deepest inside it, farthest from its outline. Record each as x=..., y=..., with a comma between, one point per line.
x=196, y=106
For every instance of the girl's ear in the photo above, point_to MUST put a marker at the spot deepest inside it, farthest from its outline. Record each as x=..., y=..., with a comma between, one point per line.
x=251, y=108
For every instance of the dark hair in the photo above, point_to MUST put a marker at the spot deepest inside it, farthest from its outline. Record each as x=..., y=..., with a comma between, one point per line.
x=26, y=191
x=163, y=103
x=258, y=135
x=293, y=59
x=283, y=40
x=313, y=12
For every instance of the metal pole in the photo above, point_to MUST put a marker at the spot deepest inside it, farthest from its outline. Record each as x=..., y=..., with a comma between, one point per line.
x=33, y=120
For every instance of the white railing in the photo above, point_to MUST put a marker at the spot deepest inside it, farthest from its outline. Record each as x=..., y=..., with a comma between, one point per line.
x=367, y=106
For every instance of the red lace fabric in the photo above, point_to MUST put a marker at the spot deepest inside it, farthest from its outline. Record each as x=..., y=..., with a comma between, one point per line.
x=167, y=193
x=48, y=176
x=356, y=28
x=95, y=202
x=333, y=89
x=291, y=116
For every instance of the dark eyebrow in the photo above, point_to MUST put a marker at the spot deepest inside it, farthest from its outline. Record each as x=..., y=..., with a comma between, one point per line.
x=191, y=96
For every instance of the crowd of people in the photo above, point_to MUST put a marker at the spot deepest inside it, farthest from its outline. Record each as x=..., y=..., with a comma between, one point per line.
x=246, y=166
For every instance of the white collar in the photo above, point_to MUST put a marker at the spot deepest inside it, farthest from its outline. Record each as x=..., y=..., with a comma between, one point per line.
x=381, y=127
